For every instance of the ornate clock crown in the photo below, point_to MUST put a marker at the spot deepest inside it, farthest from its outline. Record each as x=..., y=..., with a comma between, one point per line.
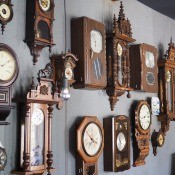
x=122, y=25
x=170, y=53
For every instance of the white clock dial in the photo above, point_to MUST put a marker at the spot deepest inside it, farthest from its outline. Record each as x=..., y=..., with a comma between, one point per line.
x=121, y=141
x=119, y=49
x=5, y=11
x=150, y=62
x=168, y=76
x=45, y=4
x=92, y=139
x=68, y=73
x=161, y=140
x=96, y=41
x=144, y=117
x=37, y=116
x=7, y=66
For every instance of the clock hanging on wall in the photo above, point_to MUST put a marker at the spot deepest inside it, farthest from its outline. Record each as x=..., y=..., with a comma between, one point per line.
x=88, y=43
x=118, y=63
x=39, y=26
x=8, y=73
x=116, y=143
x=90, y=138
x=6, y=13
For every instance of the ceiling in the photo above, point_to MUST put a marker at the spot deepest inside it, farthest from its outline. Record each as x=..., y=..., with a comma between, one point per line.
x=166, y=7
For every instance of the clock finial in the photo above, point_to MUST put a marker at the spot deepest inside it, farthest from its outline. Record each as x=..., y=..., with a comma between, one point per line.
x=121, y=13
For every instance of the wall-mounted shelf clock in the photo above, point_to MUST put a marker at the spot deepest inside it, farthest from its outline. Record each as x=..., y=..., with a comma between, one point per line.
x=144, y=71
x=166, y=88
x=88, y=43
x=116, y=143
x=141, y=132
x=90, y=138
x=39, y=26
x=157, y=140
x=36, y=114
x=118, y=64
x=8, y=73
x=6, y=13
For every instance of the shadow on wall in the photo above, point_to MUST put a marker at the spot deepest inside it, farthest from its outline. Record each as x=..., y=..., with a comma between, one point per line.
x=172, y=164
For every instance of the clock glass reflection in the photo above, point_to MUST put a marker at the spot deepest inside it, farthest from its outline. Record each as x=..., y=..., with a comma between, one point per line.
x=97, y=68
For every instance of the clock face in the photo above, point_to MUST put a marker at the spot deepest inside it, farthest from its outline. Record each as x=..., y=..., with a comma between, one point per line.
x=45, y=4
x=96, y=41
x=38, y=116
x=5, y=11
x=119, y=50
x=92, y=139
x=121, y=141
x=68, y=73
x=7, y=66
x=150, y=59
x=168, y=76
x=3, y=158
x=155, y=105
x=161, y=140
x=144, y=117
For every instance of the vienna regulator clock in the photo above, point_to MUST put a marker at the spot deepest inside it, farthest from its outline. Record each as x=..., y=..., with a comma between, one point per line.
x=144, y=71
x=90, y=138
x=167, y=88
x=88, y=43
x=116, y=143
x=141, y=132
x=6, y=13
x=39, y=26
x=118, y=64
x=36, y=114
x=9, y=69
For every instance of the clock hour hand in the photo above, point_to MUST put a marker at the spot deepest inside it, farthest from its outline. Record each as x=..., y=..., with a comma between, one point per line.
x=5, y=63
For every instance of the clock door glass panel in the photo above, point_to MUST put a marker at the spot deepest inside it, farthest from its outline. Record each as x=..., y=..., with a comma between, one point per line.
x=149, y=59
x=97, y=68
x=150, y=78
x=37, y=137
x=43, y=30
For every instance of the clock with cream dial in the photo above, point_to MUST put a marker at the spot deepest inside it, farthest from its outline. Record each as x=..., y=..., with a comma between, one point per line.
x=68, y=73
x=37, y=116
x=121, y=141
x=119, y=49
x=5, y=11
x=45, y=4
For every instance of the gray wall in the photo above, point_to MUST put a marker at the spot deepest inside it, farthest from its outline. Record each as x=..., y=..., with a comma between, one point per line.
x=148, y=26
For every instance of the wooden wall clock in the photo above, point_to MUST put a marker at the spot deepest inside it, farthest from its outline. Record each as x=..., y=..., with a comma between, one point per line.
x=116, y=143
x=166, y=88
x=141, y=132
x=88, y=43
x=144, y=71
x=36, y=155
x=9, y=69
x=118, y=64
x=39, y=26
x=6, y=13
x=90, y=138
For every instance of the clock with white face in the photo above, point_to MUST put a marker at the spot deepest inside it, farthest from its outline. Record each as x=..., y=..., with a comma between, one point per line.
x=5, y=11
x=150, y=59
x=92, y=139
x=96, y=41
x=144, y=117
x=45, y=4
x=37, y=116
x=68, y=73
x=119, y=49
x=121, y=141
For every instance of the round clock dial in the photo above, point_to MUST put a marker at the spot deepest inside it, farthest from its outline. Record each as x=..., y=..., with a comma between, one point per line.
x=92, y=139
x=96, y=41
x=37, y=116
x=45, y=4
x=144, y=117
x=5, y=11
x=68, y=73
x=7, y=66
x=121, y=141
x=119, y=49
x=3, y=158
x=168, y=76
x=160, y=140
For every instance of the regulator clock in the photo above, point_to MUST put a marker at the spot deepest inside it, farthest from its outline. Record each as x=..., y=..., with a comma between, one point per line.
x=142, y=132
x=118, y=63
x=166, y=88
x=90, y=138
x=6, y=13
x=39, y=26
x=116, y=143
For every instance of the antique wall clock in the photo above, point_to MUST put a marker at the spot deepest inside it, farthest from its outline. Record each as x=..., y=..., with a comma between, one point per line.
x=116, y=143
x=39, y=26
x=8, y=73
x=144, y=71
x=90, y=138
x=166, y=88
x=157, y=140
x=6, y=13
x=88, y=43
x=3, y=157
x=118, y=64
x=36, y=155
x=141, y=132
